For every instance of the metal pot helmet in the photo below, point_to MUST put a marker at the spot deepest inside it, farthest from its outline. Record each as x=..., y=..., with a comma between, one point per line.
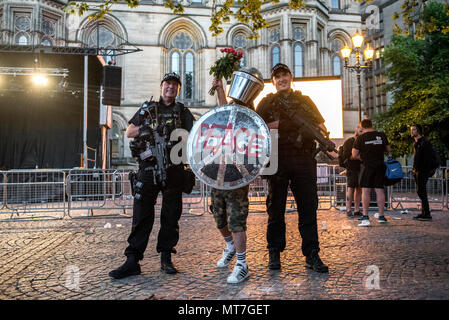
x=246, y=84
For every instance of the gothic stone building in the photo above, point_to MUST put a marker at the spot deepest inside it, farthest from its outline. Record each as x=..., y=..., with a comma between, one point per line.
x=308, y=40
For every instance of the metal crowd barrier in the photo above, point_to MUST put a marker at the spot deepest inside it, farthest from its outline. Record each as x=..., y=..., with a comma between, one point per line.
x=257, y=195
x=326, y=186
x=446, y=177
x=2, y=187
x=109, y=191
x=193, y=203
x=85, y=193
x=32, y=195
x=403, y=194
x=92, y=189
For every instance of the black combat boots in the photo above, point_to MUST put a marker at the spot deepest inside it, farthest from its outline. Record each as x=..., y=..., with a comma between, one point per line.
x=166, y=264
x=131, y=267
x=314, y=262
x=274, y=262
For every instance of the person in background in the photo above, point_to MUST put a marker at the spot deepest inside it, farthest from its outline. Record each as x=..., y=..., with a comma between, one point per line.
x=422, y=169
x=370, y=147
x=354, y=192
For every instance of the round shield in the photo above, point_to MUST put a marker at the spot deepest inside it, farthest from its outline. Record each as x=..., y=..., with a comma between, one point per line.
x=228, y=147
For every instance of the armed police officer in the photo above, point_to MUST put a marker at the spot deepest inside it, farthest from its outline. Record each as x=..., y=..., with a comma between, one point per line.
x=297, y=167
x=151, y=127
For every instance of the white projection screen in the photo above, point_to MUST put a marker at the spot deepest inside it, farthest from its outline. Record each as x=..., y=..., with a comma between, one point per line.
x=325, y=92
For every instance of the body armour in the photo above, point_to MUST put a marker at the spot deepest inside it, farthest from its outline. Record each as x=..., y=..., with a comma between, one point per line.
x=155, y=123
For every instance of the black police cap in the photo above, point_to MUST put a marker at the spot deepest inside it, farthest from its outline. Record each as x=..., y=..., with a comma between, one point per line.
x=171, y=76
x=279, y=67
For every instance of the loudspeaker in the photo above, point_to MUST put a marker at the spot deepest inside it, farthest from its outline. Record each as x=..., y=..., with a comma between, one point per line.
x=112, y=85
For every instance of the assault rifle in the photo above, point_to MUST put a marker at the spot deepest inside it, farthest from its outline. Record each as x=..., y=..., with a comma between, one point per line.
x=316, y=132
x=153, y=142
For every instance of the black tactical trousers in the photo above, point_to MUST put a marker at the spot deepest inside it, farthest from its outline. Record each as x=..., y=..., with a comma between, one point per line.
x=304, y=190
x=421, y=188
x=143, y=215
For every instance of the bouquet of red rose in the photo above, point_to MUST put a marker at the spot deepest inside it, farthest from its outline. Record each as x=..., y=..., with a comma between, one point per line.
x=226, y=65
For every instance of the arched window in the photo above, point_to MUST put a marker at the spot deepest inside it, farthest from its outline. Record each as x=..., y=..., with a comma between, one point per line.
x=22, y=40
x=46, y=42
x=298, y=55
x=117, y=147
x=48, y=27
x=188, y=75
x=336, y=66
x=175, y=62
x=275, y=35
x=336, y=45
x=103, y=34
x=182, y=41
x=239, y=43
x=275, y=55
x=298, y=33
x=22, y=27
x=182, y=61
x=105, y=39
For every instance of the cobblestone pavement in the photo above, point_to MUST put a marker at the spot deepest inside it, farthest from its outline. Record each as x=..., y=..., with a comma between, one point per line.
x=71, y=258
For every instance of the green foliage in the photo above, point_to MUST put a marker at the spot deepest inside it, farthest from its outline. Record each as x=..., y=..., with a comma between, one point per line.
x=418, y=78
x=247, y=11
x=410, y=12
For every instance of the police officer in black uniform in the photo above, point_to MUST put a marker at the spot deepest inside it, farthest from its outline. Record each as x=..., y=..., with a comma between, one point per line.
x=297, y=168
x=147, y=184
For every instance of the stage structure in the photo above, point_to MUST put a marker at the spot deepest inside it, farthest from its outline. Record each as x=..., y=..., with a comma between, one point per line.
x=325, y=92
x=41, y=89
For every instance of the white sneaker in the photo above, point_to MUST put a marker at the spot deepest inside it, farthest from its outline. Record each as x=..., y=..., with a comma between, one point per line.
x=225, y=259
x=364, y=223
x=239, y=274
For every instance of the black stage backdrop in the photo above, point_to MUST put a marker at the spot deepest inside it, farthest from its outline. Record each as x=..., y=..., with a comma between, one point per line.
x=44, y=126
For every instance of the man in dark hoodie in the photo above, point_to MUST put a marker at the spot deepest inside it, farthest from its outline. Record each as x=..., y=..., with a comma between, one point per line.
x=423, y=168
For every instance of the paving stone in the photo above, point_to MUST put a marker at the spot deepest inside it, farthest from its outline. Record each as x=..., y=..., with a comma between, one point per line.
x=407, y=259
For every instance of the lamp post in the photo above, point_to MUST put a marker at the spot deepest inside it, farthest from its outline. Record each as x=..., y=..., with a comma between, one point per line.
x=358, y=67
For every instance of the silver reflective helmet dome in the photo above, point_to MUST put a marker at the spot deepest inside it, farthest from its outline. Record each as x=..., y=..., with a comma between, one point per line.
x=246, y=84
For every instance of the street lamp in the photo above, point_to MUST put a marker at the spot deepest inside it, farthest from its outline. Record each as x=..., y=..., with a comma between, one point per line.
x=357, y=42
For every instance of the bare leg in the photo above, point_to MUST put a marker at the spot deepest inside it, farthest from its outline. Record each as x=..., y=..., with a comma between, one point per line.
x=349, y=198
x=239, y=241
x=365, y=200
x=380, y=196
x=225, y=231
x=357, y=198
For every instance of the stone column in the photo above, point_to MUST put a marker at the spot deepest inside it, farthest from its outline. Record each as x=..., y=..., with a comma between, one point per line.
x=326, y=62
x=209, y=56
x=312, y=50
x=285, y=43
x=286, y=53
x=312, y=59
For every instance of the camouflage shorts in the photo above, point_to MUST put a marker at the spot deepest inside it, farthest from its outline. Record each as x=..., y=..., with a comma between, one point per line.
x=230, y=207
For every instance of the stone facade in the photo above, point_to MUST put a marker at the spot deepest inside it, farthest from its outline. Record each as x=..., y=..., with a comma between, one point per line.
x=154, y=29
x=308, y=40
